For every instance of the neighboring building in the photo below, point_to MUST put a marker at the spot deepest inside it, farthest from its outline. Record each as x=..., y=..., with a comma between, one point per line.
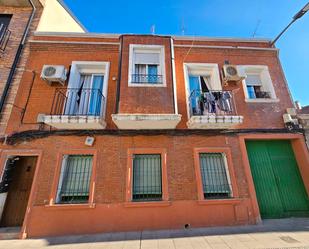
x=303, y=117
x=18, y=20
x=142, y=132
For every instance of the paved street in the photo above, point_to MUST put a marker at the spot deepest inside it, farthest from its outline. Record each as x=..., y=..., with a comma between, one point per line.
x=284, y=233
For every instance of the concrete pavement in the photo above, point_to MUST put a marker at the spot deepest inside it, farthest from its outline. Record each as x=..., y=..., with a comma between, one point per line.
x=284, y=233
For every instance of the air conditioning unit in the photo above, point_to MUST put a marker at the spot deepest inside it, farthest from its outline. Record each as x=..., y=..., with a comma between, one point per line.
x=54, y=73
x=233, y=73
x=290, y=123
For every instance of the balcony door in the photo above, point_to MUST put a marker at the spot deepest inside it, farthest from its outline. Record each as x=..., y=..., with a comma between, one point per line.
x=84, y=96
x=198, y=85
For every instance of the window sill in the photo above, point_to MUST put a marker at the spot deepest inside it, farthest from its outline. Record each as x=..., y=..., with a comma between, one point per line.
x=131, y=84
x=148, y=204
x=262, y=100
x=232, y=201
x=71, y=206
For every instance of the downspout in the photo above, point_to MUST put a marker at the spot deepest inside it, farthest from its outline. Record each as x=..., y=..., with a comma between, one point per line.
x=119, y=75
x=17, y=57
x=174, y=76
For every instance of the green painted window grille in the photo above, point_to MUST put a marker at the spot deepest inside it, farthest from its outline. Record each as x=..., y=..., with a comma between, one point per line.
x=147, y=177
x=214, y=176
x=74, y=179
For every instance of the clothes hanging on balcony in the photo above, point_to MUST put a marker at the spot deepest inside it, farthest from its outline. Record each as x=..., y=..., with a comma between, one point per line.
x=224, y=101
x=210, y=102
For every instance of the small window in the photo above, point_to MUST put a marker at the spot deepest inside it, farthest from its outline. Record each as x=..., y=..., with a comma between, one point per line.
x=255, y=87
x=214, y=176
x=147, y=177
x=258, y=85
x=74, y=179
x=146, y=65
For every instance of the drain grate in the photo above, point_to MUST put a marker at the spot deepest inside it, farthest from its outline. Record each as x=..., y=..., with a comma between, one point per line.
x=288, y=239
x=289, y=247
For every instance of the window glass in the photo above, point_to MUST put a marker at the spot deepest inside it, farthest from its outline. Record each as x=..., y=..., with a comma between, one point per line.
x=74, y=179
x=214, y=176
x=147, y=177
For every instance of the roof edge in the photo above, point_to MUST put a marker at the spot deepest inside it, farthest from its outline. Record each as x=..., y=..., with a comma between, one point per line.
x=111, y=35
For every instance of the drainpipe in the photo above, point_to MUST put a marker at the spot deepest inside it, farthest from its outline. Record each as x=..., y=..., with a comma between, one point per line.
x=119, y=75
x=17, y=57
x=174, y=76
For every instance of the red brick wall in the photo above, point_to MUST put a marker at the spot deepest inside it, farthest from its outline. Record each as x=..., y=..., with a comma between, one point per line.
x=110, y=212
x=146, y=99
x=42, y=94
x=110, y=186
x=17, y=25
x=256, y=115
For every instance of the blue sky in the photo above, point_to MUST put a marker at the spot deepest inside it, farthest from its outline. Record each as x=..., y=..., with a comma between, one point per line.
x=219, y=18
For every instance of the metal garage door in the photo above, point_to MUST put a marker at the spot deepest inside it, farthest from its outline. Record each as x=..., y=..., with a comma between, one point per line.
x=278, y=184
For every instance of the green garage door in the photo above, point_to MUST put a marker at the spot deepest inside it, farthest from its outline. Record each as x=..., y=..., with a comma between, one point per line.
x=278, y=184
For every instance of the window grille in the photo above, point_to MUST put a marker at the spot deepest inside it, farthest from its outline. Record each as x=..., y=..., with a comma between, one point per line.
x=74, y=179
x=214, y=176
x=147, y=177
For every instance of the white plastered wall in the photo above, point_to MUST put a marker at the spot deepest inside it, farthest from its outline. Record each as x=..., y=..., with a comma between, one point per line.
x=56, y=17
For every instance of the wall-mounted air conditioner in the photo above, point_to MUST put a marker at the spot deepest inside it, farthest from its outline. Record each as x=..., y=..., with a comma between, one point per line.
x=54, y=73
x=233, y=73
x=290, y=122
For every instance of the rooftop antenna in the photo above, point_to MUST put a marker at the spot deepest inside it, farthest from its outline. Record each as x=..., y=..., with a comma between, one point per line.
x=153, y=29
x=183, y=27
x=256, y=28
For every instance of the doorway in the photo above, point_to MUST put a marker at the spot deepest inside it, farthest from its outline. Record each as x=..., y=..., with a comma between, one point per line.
x=278, y=183
x=15, y=188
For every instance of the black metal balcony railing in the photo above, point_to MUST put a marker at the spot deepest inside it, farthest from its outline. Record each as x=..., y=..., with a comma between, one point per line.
x=147, y=78
x=5, y=34
x=262, y=95
x=211, y=103
x=78, y=102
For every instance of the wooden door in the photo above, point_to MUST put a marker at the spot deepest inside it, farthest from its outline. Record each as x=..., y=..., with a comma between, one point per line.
x=18, y=192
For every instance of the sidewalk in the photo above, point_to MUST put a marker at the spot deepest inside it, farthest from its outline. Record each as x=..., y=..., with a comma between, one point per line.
x=283, y=233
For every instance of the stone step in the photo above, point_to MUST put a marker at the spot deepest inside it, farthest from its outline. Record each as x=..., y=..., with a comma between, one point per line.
x=8, y=233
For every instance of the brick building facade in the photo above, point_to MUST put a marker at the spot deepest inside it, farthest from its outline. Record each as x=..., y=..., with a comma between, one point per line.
x=146, y=132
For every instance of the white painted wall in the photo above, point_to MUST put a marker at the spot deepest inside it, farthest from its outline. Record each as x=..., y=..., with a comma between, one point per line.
x=57, y=18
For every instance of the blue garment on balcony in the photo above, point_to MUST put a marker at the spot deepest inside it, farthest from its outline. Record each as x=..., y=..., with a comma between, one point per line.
x=210, y=102
x=224, y=101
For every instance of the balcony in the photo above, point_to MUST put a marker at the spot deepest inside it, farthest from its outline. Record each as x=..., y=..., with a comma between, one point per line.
x=146, y=79
x=5, y=34
x=212, y=110
x=75, y=108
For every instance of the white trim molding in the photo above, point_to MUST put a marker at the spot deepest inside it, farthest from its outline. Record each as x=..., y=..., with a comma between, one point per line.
x=204, y=69
x=147, y=49
x=267, y=84
x=137, y=121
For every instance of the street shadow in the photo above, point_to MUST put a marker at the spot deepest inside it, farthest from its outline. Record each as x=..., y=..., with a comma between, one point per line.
x=280, y=225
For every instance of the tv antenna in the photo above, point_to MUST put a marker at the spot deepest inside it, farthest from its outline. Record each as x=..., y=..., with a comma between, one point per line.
x=256, y=27
x=153, y=29
x=183, y=28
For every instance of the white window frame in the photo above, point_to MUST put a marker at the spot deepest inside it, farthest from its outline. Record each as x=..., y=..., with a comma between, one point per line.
x=199, y=69
x=90, y=67
x=267, y=84
x=147, y=49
